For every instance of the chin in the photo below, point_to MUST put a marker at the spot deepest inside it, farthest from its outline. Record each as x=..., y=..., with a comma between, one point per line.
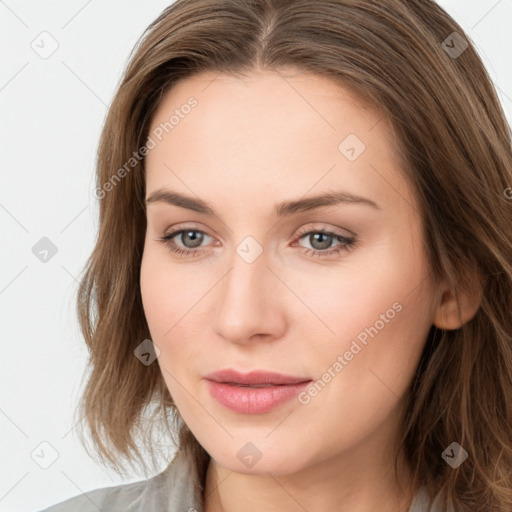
x=256, y=458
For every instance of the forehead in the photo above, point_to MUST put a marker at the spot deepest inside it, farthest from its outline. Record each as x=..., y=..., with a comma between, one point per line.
x=285, y=128
x=272, y=99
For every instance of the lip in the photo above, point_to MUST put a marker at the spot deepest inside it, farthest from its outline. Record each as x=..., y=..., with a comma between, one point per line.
x=253, y=378
x=255, y=392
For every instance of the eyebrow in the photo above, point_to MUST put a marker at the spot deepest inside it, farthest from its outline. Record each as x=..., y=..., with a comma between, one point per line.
x=282, y=209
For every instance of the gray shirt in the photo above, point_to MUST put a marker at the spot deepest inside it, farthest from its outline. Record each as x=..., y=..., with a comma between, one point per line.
x=172, y=490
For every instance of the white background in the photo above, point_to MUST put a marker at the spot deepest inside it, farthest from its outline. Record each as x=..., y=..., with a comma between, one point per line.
x=51, y=114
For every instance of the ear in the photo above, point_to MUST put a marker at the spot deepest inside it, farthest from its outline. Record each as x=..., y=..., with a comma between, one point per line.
x=447, y=315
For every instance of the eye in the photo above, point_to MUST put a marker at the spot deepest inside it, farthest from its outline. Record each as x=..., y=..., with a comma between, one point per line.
x=321, y=241
x=190, y=237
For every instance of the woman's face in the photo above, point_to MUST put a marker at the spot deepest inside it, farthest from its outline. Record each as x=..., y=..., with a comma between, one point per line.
x=253, y=295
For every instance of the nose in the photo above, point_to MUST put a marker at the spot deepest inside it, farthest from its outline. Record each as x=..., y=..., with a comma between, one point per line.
x=251, y=302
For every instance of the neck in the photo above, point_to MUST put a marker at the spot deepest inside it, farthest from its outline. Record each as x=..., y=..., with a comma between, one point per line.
x=342, y=483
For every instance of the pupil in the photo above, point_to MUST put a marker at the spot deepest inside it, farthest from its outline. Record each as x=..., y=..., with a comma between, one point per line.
x=323, y=245
x=196, y=240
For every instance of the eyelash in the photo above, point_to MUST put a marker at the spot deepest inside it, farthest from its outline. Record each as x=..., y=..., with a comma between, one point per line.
x=346, y=243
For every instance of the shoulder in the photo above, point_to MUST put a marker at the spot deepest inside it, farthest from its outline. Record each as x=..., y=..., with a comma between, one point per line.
x=423, y=502
x=119, y=498
x=175, y=488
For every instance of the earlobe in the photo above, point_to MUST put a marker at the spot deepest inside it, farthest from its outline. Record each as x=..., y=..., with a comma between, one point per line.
x=447, y=315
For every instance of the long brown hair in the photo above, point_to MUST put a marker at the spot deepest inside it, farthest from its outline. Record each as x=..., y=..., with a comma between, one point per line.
x=455, y=145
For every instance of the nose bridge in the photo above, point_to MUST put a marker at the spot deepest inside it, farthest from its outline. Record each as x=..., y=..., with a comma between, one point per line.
x=249, y=268
x=248, y=262
x=248, y=303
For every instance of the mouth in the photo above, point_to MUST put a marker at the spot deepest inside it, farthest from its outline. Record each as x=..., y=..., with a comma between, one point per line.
x=253, y=393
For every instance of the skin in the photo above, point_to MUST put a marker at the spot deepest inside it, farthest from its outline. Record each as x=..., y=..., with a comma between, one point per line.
x=250, y=143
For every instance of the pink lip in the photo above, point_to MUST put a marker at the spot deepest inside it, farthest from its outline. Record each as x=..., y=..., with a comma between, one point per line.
x=239, y=392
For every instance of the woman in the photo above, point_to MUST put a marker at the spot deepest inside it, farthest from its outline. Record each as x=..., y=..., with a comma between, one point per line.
x=304, y=262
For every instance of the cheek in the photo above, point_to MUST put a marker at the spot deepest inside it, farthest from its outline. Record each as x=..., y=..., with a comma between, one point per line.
x=154, y=301
x=172, y=320
x=376, y=320
x=364, y=370
x=173, y=302
x=162, y=309
x=379, y=370
x=386, y=295
x=350, y=299
x=165, y=292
